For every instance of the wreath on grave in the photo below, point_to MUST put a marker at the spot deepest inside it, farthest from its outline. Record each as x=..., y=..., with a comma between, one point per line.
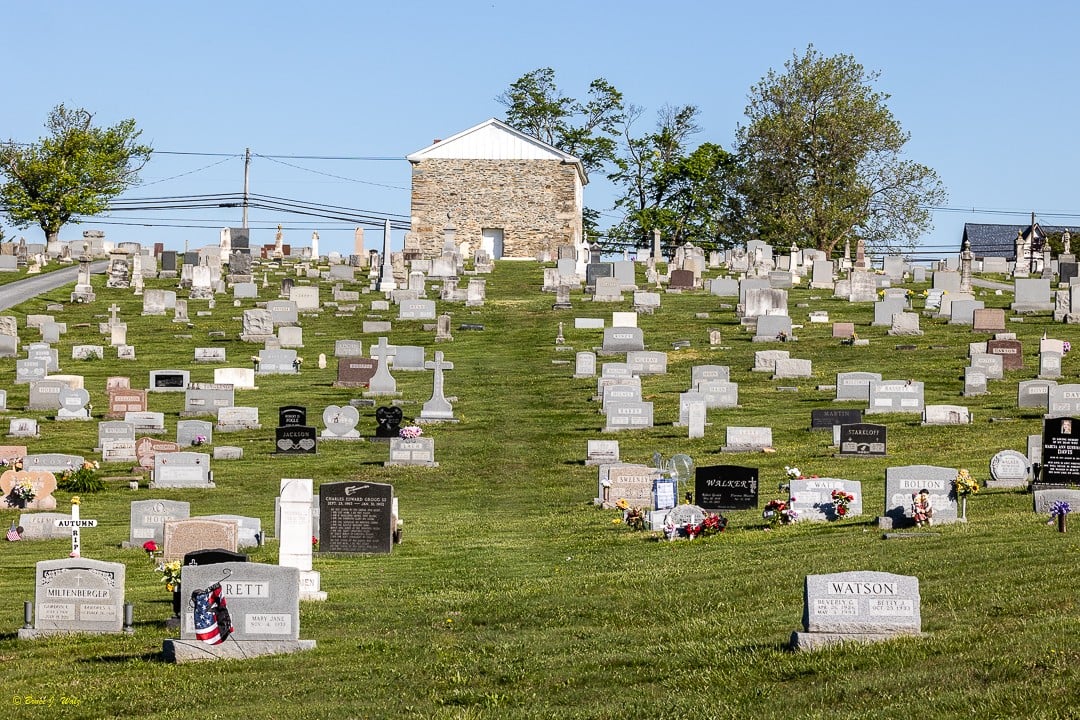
x=81, y=480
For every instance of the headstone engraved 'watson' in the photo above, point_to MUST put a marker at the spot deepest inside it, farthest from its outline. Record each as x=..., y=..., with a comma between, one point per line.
x=77, y=595
x=726, y=487
x=859, y=606
x=356, y=517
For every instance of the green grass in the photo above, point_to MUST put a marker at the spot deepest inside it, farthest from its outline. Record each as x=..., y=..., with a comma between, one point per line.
x=512, y=597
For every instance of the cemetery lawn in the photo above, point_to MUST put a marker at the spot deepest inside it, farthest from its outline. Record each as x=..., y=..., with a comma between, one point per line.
x=511, y=595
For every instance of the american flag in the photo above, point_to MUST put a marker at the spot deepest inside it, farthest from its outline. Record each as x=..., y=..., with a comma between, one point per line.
x=13, y=533
x=206, y=625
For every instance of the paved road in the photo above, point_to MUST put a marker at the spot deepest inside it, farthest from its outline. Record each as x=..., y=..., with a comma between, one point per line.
x=22, y=290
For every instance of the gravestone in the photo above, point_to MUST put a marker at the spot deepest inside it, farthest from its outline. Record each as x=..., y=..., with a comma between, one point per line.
x=150, y=423
x=812, y=499
x=860, y=606
x=1049, y=365
x=747, y=439
x=355, y=371
x=946, y=415
x=726, y=487
x=237, y=419
x=647, y=362
x=44, y=526
x=602, y=451
x=993, y=366
x=348, y=348
x=189, y=432
x=169, y=380
x=585, y=365
x=181, y=470
x=180, y=537
x=625, y=481
x=901, y=483
x=1010, y=351
x=719, y=394
x=765, y=360
x=23, y=428
x=437, y=408
x=975, y=382
x=294, y=534
x=628, y=416
x=412, y=451
x=825, y=419
x=77, y=595
x=207, y=398
x=623, y=339
x=988, y=320
x=388, y=420
x=148, y=518
x=249, y=531
x=1060, y=452
x=147, y=449
x=125, y=400
x=42, y=481
x=263, y=602
x=340, y=423
x=1034, y=394
x=1064, y=400
x=295, y=440
x=356, y=517
x=1009, y=469
x=210, y=355
x=895, y=396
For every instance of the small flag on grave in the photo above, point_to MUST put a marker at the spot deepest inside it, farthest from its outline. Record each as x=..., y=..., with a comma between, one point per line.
x=13, y=533
x=212, y=623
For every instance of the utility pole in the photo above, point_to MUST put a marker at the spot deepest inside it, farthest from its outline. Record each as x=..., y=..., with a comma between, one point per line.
x=247, y=167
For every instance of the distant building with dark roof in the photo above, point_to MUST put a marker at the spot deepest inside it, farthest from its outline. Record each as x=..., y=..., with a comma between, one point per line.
x=1003, y=240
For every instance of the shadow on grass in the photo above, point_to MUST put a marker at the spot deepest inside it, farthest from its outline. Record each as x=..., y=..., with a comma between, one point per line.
x=121, y=659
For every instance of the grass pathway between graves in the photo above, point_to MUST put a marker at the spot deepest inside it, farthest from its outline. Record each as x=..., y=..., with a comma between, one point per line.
x=512, y=597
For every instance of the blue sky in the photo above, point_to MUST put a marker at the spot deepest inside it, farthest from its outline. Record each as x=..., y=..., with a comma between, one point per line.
x=987, y=91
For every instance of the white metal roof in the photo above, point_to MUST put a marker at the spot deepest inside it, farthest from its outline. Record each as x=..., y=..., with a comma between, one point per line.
x=494, y=140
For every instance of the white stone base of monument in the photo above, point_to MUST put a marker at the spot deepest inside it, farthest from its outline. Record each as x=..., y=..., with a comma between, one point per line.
x=259, y=339
x=35, y=634
x=83, y=297
x=182, y=651
x=310, y=582
x=378, y=393
x=390, y=463
x=810, y=641
x=772, y=338
x=422, y=420
x=207, y=486
x=1017, y=483
x=352, y=435
x=81, y=415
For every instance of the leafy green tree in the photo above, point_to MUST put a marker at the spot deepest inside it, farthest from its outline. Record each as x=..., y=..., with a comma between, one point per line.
x=73, y=171
x=686, y=195
x=585, y=129
x=821, y=155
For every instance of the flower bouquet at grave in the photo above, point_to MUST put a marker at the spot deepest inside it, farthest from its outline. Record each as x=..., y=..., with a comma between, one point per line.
x=170, y=574
x=151, y=548
x=850, y=339
x=15, y=463
x=81, y=480
x=713, y=524
x=779, y=512
x=964, y=485
x=410, y=432
x=1059, y=511
x=199, y=440
x=21, y=493
x=1065, y=346
x=841, y=501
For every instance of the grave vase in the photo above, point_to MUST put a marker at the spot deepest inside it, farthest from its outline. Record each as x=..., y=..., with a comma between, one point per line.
x=176, y=602
x=963, y=508
x=1062, y=522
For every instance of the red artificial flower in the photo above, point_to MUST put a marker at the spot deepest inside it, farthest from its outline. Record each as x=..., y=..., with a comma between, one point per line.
x=149, y=546
x=314, y=540
x=841, y=510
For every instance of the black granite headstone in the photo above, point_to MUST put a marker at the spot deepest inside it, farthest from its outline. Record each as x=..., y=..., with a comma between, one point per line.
x=863, y=439
x=292, y=416
x=213, y=556
x=168, y=380
x=168, y=261
x=355, y=517
x=388, y=418
x=296, y=440
x=1060, y=452
x=726, y=487
x=825, y=419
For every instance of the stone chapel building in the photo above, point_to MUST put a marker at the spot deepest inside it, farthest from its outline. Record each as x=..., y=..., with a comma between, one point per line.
x=506, y=192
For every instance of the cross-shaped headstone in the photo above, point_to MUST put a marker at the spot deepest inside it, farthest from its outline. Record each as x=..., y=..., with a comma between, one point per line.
x=382, y=381
x=114, y=308
x=438, y=408
x=75, y=523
